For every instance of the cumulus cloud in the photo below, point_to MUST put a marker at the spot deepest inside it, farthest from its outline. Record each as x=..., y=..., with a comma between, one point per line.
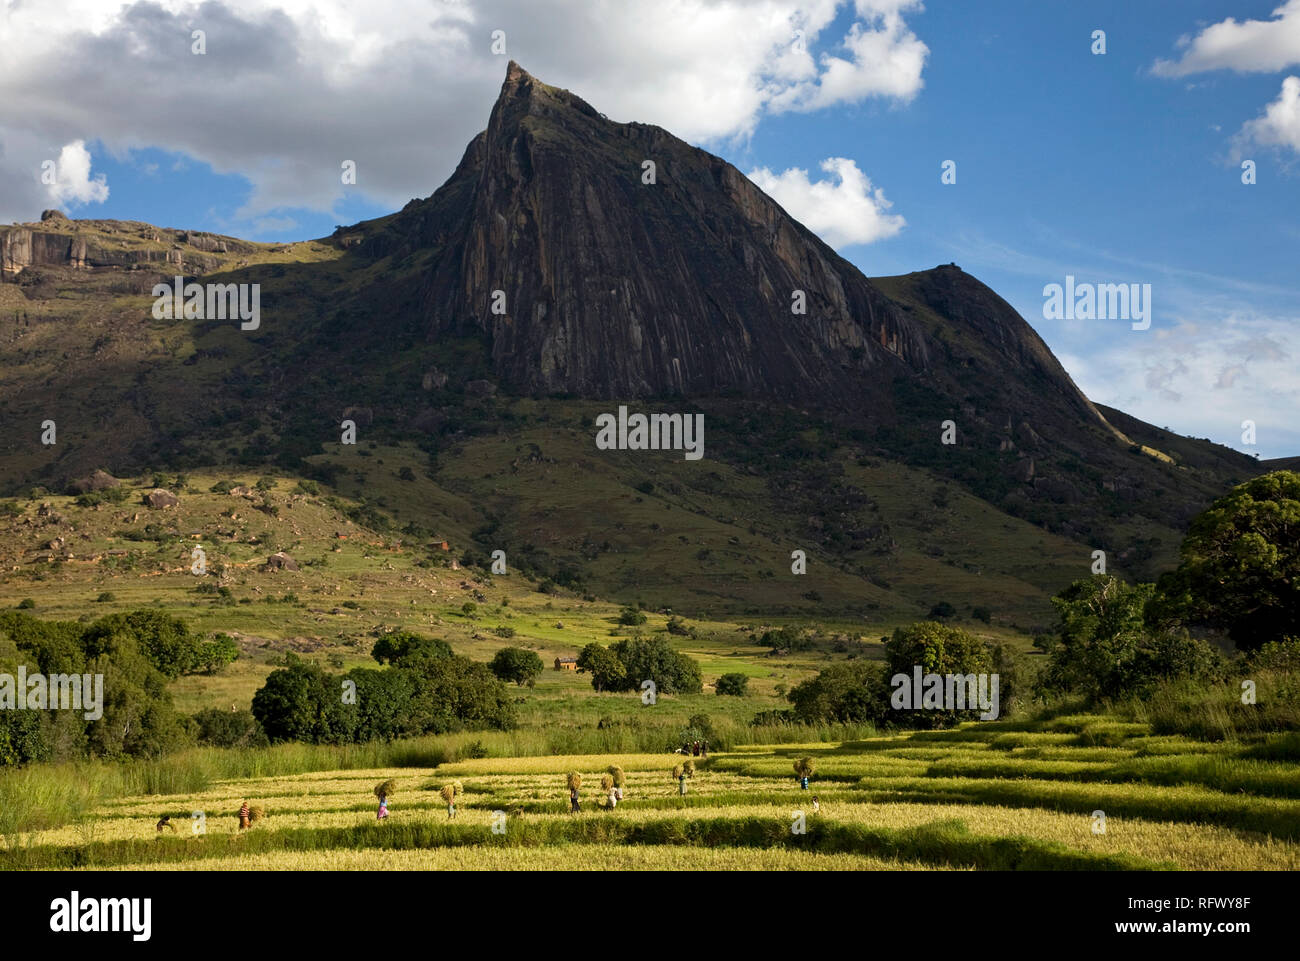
x=73, y=183
x=843, y=209
x=288, y=89
x=1238, y=366
x=1248, y=46
x=1279, y=124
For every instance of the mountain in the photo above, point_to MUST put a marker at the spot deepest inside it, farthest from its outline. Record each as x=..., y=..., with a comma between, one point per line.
x=550, y=279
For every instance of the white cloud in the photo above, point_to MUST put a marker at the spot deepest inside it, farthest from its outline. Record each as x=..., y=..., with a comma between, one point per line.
x=843, y=209
x=290, y=88
x=1278, y=125
x=74, y=185
x=1248, y=46
x=1214, y=375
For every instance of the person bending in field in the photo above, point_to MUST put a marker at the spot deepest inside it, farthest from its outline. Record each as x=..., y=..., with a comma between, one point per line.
x=166, y=822
x=243, y=817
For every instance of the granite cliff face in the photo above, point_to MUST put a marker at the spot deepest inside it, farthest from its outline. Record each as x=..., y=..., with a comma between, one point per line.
x=614, y=286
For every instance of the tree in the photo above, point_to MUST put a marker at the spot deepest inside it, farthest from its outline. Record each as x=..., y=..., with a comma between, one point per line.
x=850, y=692
x=402, y=646
x=732, y=685
x=1101, y=646
x=229, y=729
x=655, y=660
x=1240, y=565
x=631, y=617
x=299, y=703
x=216, y=654
x=607, y=673
x=516, y=664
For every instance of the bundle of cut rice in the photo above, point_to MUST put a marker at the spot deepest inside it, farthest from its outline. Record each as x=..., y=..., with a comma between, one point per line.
x=677, y=772
x=386, y=788
x=574, y=781
x=448, y=792
x=255, y=813
x=606, y=783
x=616, y=773
x=689, y=767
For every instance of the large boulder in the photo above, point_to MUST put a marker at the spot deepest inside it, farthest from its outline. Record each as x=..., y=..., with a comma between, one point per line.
x=280, y=561
x=98, y=481
x=158, y=499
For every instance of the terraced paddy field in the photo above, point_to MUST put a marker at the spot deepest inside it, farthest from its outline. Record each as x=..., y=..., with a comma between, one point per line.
x=1075, y=792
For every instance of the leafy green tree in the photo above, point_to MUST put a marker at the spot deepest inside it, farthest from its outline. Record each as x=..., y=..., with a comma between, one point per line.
x=229, y=729
x=732, y=685
x=402, y=646
x=1240, y=565
x=381, y=711
x=1101, y=646
x=454, y=693
x=937, y=649
x=654, y=659
x=300, y=702
x=631, y=617
x=850, y=692
x=216, y=654
x=516, y=664
x=165, y=640
x=606, y=670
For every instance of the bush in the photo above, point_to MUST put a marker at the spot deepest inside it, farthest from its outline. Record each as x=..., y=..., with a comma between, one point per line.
x=107, y=597
x=732, y=685
x=631, y=617
x=26, y=604
x=238, y=729
x=851, y=692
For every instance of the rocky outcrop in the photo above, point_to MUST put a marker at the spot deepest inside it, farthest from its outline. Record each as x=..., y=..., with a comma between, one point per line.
x=592, y=281
x=158, y=499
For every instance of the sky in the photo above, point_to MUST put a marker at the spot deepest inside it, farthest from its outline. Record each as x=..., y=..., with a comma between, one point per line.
x=1115, y=167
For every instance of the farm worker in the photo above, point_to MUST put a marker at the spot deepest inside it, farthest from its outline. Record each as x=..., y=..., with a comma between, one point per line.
x=695, y=749
x=451, y=809
x=618, y=793
x=681, y=784
x=383, y=808
x=574, y=806
x=243, y=816
x=816, y=804
x=803, y=783
x=704, y=749
x=613, y=798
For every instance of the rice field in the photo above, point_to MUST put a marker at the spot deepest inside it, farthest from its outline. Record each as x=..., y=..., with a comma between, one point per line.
x=1072, y=793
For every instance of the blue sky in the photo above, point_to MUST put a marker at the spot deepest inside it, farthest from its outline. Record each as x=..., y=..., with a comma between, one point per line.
x=1114, y=168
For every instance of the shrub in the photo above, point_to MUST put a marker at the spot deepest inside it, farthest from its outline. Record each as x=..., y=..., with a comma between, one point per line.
x=238, y=729
x=732, y=685
x=631, y=617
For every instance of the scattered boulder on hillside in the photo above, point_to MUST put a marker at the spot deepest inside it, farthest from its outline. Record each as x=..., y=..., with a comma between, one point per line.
x=98, y=481
x=159, y=499
x=434, y=380
x=52, y=215
x=280, y=561
x=1024, y=470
